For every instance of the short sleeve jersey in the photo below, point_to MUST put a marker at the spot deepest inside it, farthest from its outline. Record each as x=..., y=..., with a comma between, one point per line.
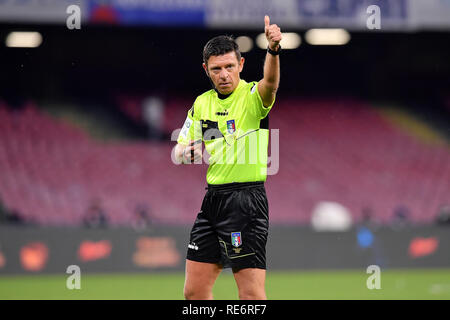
x=235, y=131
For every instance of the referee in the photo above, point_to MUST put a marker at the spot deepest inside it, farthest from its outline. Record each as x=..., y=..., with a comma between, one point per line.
x=232, y=120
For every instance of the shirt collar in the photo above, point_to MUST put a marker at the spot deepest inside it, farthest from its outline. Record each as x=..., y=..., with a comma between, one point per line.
x=226, y=96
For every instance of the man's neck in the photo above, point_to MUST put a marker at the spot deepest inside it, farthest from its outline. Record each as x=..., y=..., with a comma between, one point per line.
x=222, y=96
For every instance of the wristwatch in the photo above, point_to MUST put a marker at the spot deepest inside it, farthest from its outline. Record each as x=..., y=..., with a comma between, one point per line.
x=272, y=52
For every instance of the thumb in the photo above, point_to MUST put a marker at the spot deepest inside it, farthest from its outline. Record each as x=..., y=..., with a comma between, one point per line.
x=266, y=21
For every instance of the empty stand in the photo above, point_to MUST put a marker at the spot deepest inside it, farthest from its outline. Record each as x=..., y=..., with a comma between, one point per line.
x=330, y=150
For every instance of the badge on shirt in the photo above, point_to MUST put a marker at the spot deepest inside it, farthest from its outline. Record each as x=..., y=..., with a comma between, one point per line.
x=231, y=127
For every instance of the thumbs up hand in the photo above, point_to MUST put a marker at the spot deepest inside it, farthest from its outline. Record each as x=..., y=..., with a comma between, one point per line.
x=273, y=33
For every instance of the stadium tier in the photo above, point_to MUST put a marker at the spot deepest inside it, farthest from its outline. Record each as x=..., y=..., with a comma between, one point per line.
x=338, y=150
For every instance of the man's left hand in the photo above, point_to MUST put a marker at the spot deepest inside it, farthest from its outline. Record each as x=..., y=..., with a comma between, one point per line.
x=273, y=33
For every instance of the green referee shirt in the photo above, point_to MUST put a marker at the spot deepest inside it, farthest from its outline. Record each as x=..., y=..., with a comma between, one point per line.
x=235, y=131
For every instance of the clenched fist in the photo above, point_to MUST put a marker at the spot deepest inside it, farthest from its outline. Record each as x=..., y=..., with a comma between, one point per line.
x=193, y=152
x=273, y=34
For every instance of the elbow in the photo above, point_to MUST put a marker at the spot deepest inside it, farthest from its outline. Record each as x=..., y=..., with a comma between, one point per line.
x=272, y=85
x=272, y=90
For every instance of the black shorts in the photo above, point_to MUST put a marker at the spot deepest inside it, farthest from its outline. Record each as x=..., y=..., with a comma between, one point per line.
x=232, y=226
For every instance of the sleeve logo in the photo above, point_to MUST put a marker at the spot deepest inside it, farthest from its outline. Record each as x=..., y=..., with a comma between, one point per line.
x=186, y=126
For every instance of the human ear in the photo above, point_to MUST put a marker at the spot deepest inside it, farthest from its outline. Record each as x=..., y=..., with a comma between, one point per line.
x=241, y=64
x=205, y=67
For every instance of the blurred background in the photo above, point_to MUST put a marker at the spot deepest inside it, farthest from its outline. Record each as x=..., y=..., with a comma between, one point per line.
x=92, y=94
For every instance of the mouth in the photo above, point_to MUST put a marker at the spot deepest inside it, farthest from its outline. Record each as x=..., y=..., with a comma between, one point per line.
x=225, y=84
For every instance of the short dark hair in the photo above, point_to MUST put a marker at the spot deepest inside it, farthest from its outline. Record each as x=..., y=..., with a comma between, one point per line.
x=220, y=45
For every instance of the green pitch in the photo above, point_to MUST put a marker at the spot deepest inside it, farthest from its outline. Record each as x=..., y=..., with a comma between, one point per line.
x=395, y=284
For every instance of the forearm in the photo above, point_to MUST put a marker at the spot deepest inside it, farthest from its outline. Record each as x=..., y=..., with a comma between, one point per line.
x=268, y=86
x=272, y=71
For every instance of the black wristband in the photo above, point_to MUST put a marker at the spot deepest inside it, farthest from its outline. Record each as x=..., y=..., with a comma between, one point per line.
x=272, y=52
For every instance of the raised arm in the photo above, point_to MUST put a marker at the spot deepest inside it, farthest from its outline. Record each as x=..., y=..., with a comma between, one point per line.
x=268, y=85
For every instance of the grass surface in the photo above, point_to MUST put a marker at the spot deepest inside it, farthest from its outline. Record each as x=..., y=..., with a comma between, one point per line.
x=395, y=284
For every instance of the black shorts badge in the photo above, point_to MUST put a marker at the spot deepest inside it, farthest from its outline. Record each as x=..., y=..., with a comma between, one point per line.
x=236, y=241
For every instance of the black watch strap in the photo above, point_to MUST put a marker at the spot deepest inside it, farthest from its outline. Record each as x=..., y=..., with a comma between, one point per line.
x=273, y=52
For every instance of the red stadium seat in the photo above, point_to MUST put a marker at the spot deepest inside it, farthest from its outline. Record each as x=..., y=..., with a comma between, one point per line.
x=330, y=150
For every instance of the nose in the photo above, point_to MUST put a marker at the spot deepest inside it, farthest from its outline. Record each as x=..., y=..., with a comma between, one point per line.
x=223, y=74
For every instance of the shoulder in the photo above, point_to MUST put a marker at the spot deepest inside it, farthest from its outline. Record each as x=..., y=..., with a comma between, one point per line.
x=248, y=87
x=204, y=98
x=200, y=101
x=205, y=95
x=253, y=87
